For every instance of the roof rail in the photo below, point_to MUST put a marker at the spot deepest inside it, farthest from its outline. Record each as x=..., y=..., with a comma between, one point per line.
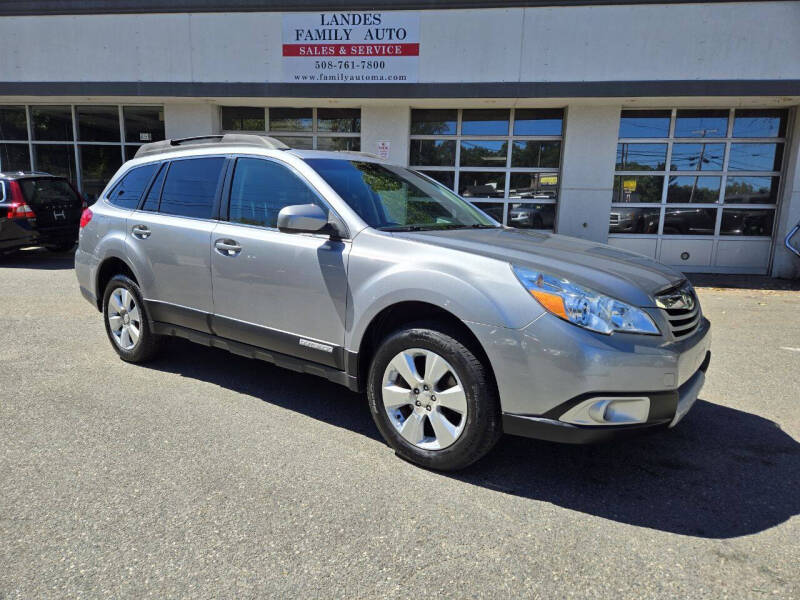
x=227, y=139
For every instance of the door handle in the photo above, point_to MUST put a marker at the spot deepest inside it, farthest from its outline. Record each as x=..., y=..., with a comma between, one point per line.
x=141, y=231
x=227, y=247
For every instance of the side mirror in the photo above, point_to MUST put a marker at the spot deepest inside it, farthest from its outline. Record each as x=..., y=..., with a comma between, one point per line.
x=302, y=218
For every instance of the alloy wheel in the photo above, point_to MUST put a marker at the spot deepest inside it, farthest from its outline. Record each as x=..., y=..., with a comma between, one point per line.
x=424, y=399
x=124, y=318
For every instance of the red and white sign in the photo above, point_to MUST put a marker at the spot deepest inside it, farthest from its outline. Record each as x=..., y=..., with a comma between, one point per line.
x=351, y=47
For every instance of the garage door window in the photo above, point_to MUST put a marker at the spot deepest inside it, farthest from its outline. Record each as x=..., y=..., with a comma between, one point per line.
x=692, y=181
x=507, y=161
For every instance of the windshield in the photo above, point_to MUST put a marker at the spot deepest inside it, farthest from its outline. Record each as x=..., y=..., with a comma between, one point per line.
x=48, y=190
x=397, y=199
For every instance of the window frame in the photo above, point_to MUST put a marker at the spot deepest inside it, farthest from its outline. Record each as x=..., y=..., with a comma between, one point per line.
x=724, y=173
x=314, y=134
x=225, y=206
x=75, y=143
x=507, y=170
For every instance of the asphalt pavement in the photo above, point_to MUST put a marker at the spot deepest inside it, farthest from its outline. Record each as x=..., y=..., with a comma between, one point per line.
x=207, y=475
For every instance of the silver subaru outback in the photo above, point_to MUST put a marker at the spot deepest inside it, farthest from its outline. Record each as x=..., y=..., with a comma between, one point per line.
x=379, y=278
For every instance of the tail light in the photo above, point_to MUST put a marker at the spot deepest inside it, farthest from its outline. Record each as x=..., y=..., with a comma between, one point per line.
x=86, y=216
x=18, y=209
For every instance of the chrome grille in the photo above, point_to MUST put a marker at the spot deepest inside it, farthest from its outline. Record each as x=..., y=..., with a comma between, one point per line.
x=682, y=308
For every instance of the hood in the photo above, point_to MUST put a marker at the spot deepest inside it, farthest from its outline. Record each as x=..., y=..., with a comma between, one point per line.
x=627, y=276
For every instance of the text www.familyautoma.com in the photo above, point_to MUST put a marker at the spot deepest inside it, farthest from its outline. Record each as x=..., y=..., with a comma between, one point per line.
x=349, y=77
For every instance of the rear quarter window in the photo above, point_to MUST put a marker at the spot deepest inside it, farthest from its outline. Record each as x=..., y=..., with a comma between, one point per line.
x=129, y=190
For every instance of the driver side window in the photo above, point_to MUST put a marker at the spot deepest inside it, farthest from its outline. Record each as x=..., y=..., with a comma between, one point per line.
x=261, y=188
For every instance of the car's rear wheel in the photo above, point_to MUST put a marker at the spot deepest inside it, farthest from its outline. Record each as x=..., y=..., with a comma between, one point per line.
x=432, y=398
x=127, y=322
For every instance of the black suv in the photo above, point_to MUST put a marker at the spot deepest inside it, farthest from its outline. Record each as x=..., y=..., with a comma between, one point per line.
x=38, y=209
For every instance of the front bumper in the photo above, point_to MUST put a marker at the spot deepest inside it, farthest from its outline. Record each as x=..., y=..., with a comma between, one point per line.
x=551, y=366
x=666, y=410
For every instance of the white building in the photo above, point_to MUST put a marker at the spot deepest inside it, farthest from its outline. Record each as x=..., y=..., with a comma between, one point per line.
x=670, y=129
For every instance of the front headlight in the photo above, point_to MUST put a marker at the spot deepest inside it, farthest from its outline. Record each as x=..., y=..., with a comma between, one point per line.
x=582, y=306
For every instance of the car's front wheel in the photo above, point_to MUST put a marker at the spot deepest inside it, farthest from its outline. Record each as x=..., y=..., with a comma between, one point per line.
x=432, y=398
x=127, y=322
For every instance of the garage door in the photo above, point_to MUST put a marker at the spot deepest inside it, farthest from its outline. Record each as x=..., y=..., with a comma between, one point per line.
x=698, y=189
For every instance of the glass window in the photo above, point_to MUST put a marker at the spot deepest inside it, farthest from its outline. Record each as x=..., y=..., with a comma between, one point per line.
x=154, y=193
x=392, y=197
x=446, y=178
x=693, y=189
x=690, y=221
x=56, y=159
x=433, y=121
x=538, y=121
x=291, y=119
x=261, y=188
x=701, y=123
x=478, y=167
x=13, y=123
x=52, y=123
x=191, y=187
x=635, y=220
x=243, y=118
x=755, y=157
x=644, y=124
x=127, y=192
x=542, y=186
x=641, y=157
x=342, y=120
x=473, y=184
x=484, y=153
x=751, y=123
x=751, y=190
x=14, y=157
x=697, y=169
x=698, y=157
x=98, y=123
x=638, y=188
x=144, y=123
x=485, y=121
x=352, y=144
x=531, y=216
x=432, y=153
x=747, y=222
x=98, y=165
x=536, y=154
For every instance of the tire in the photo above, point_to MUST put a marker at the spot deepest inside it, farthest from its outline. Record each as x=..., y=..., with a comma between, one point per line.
x=146, y=345
x=475, y=431
x=60, y=247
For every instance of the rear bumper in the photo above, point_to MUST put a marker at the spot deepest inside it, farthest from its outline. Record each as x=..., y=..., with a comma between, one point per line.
x=666, y=410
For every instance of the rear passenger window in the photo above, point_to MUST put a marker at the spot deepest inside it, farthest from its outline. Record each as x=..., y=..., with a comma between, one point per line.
x=151, y=201
x=191, y=186
x=127, y=192
x=261, y=188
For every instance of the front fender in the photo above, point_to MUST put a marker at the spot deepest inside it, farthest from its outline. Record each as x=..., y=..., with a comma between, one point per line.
x=494, y=297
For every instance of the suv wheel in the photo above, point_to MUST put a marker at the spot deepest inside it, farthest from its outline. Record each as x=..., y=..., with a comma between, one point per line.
x=432, y=399
x=127, y=323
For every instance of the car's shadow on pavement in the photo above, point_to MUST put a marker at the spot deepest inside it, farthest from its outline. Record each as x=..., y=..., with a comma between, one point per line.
x=38, y=258
x=721, y=473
